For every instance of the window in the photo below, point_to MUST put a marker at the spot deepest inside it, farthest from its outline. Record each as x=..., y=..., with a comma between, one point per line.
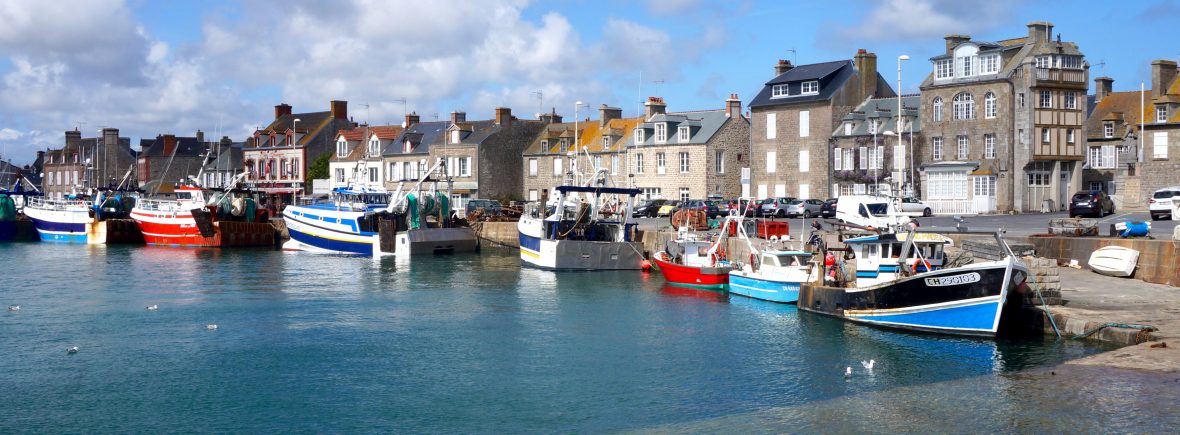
x=532, y=167
x=1159, y=149
x=1038, y=173
x=614, y=164
x=989, y=105
x=639, y=135
x=1108, y=129
x=661, y=132
x=374, y=146
x=1044, y=62
x=1161, y=113
x=962, y=148
x=780, y=190
x=660, y=163
x=804, y=160
x=838, y=160
x=1020, y=100
x=804, y=123
x=341, y=148
x=606, y=142
x=1071, y=100
x=339, y=175
x=685, y=194
x=984, y=186
x=1046, y=99
x=719, y=161
x=947, y=184
x=1069, y=135
x=652, y=193
x=770, y=163
x=989, y=64
x=848, y=128
x=1096, y=185
x=874, y=125
x=936, y=107
x=942, y=69
x=864, y=158
x=373, y=175
x=465, y=167
x=849, y=159
x=1045, y=135
x=557, y=167
x=880, y=157
x=533, y=195
x=771, y=125
x=810, y=88
x=683, y=163
x=1071, y=61
x=989, y=146
x=682, y=134
x=966, y=66
x=778, y=91
x=638, y=163
x=563, y=145
x=964, y=106
x=455, y=136
x=1103, y=157
x=936, y=148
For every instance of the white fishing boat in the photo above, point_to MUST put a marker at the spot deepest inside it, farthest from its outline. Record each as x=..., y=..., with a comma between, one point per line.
x=1114, y=261
x=584, y=229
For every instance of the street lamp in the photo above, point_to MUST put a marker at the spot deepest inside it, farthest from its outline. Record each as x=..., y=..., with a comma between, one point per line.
x=293, y=124
x=901, y=170
x=573, y=162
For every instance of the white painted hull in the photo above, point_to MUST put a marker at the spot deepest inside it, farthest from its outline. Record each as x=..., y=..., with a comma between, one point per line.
x=1114, y=261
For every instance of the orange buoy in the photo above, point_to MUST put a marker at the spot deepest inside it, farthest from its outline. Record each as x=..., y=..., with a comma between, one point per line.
x=645, y=265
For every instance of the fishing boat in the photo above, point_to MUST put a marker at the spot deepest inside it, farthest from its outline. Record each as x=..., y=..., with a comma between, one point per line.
x=585, y=228
x=361, y=220
x=199, y=217
x=902, y=281
x=1114, y=261
x=8, y=217
x=776, y=277
x=12, y=203
x=83, y=219
x=695, y=260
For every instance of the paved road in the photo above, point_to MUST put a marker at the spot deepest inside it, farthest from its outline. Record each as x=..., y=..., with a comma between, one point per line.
x=1017, y=225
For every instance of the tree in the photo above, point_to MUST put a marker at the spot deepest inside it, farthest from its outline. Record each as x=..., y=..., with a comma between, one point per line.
x=319, y=168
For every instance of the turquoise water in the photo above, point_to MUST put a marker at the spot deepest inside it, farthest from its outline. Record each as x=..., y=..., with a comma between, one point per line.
x=468, y=343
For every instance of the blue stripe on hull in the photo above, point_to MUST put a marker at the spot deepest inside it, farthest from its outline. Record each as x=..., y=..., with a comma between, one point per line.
x=332, y=245
x=979, y=316
x=7, y=230
x=765, y=290
x=63, y=237
x=529, y=242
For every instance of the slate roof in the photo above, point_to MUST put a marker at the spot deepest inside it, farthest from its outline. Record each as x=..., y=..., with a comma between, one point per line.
x=310, y=123
x=358, y=139
x=831, y=77
x=475, y=132
x=185, y=147
x=702, y=126
x=884, y=110
x=422, y=135
x=230, y=158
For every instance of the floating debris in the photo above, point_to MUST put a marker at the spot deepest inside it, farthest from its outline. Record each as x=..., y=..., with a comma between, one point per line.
x=211, y=326
x=14, y=308
x=848, y=371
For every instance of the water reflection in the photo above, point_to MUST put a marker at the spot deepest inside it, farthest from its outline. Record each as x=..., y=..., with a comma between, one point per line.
x=688, y=292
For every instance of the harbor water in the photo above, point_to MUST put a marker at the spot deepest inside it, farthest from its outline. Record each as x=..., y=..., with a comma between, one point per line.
x=475, y=343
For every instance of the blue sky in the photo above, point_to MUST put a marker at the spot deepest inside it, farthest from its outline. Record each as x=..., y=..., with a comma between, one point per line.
x=153, y=67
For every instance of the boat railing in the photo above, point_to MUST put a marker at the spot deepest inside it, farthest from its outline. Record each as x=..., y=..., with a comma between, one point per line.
x=57, y=204
x=167, y=205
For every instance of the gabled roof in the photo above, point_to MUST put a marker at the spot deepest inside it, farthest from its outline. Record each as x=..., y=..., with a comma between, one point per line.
x=422, y=135
x=831, y=76
x=185, y=147
x=1122, y=108
x=474, y=132
x=309, y=122
x=359, y=138
x=884, y=110
x=702, y=125
x=814, y=71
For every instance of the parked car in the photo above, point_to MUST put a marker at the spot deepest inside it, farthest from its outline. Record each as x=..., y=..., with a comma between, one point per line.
x=750, y=206
x=667, y=209
x=804, y=207
x=704, y=205
x=1094, y=203
x=774, y=207
x=722, y=205
x=649, y=208
x=490, y=207
x=828, y=210
x=911, y=205
x=1161, y=202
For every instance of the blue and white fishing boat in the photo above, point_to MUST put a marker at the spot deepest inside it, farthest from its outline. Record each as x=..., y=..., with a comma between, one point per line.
x=363, y=220
x=79, y=218
x=776, y=277
x=902, y=281
x=585, y=228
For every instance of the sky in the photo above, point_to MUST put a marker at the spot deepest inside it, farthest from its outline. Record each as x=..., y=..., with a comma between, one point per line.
x=156, y=67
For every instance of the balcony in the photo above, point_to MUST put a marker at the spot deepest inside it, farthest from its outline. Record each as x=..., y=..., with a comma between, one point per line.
x=1050, y=76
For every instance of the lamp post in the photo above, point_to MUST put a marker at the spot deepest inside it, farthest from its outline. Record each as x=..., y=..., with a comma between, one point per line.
x=901, y=170
x=577, y=135
x=293, y=125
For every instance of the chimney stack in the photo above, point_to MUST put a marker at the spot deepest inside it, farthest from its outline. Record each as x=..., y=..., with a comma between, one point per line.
x=782, y=66
x=504, y=117
x=282, y=109
x=552, y=117
x=653, y=106
x=866, y=67
x=953, y=41
x=1102, y=87
x=1163, y=73
x=339, y=109
x=457, y=117
x=411, y=119
x=1040, y=31
x=169, y=144
x=200, y=137
x=733, y=106
x=73, y=138
x=607, y=113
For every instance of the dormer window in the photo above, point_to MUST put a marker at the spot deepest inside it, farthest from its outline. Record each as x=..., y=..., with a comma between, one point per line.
x=1108, y=130
x=966, y=64
x=639, y=136
x=848, y=128
x=455, y=136
x=811, y=87
x=606, y=142
x=407, y=146
x=564, y=144
x=341, y=148
x=374, y=146
x=778, y=91
x=943, y=69
x=873, y=126
x=1161, y=113
x=661, y=132
x=989, y=64
x=682, y=134
x=545, y=145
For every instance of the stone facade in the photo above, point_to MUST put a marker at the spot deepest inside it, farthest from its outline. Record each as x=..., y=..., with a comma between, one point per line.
x=499, y=157
x=280, y=154
x=853, y=174
x=67, y=171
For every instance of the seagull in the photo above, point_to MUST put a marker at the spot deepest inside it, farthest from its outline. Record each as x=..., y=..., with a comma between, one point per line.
x=848, y=371
x=72, y=350
x=14, y=308
x=211, y=326
x=868, y=365
x=153, y=307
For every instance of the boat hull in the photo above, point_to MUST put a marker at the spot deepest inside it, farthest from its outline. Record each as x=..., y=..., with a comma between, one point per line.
x=1114, y=261
x=752, y=285
x=180, y=229
x=7, y=231
x=579, y=254
x=63, y=226
x=967, y=300
x=315, y=231
x=713, y=278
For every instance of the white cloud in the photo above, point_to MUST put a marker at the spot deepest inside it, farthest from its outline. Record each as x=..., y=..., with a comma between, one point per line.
x=920, y=20
x=9, y=134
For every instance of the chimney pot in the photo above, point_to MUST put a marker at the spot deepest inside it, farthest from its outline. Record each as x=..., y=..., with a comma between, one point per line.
x=654, y=106
x=457, y=117
x=733, y=106
x=411, y=119
x=782, y=67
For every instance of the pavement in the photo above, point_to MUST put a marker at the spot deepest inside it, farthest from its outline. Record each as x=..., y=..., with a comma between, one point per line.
x=1098, y=298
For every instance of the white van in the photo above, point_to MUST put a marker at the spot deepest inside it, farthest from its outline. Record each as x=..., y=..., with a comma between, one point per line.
x=1162, y=201
x=869, y=211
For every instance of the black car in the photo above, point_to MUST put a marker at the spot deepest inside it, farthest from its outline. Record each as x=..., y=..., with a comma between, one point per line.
x=649, y=208
x=1094, y=203
x=707, y=206
x=828, y=210
x=490, y=206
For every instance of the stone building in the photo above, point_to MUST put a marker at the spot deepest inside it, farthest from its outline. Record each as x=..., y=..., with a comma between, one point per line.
x=794, y=115
x=224, y=161
x=358, y=156
x=406, y=159
x=569, y=152
x=689, y=155
x=83, y=163
x=1003, y=120
x=169, y=160
x=866, y=156
x=279, y=155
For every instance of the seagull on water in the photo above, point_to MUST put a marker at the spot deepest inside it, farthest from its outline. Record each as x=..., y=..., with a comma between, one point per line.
x=72, y=350
x=211, y=326
x=868, y=365
x=153, y=307
x=14, y=308
x=848, y=371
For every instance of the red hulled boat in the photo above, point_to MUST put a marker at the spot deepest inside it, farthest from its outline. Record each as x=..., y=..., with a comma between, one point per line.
x=227, y=218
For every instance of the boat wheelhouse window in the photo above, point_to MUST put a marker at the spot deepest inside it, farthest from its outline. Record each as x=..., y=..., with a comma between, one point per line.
x=184, y=195
x=871, y=250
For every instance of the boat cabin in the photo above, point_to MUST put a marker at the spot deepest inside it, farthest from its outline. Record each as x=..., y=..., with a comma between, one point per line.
x=781, y=261
x=590, y=213
x=358, y=200
x=878, y=258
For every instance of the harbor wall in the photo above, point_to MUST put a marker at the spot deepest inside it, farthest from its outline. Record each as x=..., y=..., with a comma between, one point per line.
x=1158, y=260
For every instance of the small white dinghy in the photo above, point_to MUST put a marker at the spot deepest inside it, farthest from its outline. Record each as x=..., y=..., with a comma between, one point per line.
x=1114, y=261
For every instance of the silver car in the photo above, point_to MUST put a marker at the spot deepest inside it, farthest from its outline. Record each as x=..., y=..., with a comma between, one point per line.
x=804, y=207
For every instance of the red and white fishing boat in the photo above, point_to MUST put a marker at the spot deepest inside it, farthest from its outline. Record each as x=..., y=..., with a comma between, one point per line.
x=695, y=260
x=200, y=217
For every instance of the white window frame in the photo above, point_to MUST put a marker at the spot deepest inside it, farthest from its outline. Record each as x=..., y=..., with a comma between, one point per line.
x=989, y=146
x=606, y=142
x=864, y=158
x=810, y=87
x=558, y=170
x=661, y=132
x=684, y=166
x=661, y=162
x=936, y=109
x=966, y=66
x=1045, y=135
x=341, y=148
x=963, y=106
x=989, y=64
x=771, y=125
x=1108, y=129
x=719, y=161
x=685, y=194
x=936, y=148
x=989, y=105
x=374, y=146
x=638, y=163
x=804, y=123
x=682, y=133
x=963, y=147
x=1159, y=145
x=944, y=69
x=1069, y=135
x=804, y=160
x=638, y=135
x=1046, y=99
x=1161, y=113
x=771, y=164
x=837, y=162
x=849, y=159
x=1071, y=100
x=532, y=167
x=779, y=91
x=465, y=166
x=614, y=164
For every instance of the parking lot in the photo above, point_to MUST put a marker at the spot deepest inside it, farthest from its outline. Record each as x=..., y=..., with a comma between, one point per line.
x=1017, y=225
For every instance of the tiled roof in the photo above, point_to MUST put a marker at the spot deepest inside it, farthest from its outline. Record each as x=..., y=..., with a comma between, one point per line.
x=310, y=123
x=422, y=135
x=1122, y=108
x=185, y=146
x=831, y=76
x=702, y=126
